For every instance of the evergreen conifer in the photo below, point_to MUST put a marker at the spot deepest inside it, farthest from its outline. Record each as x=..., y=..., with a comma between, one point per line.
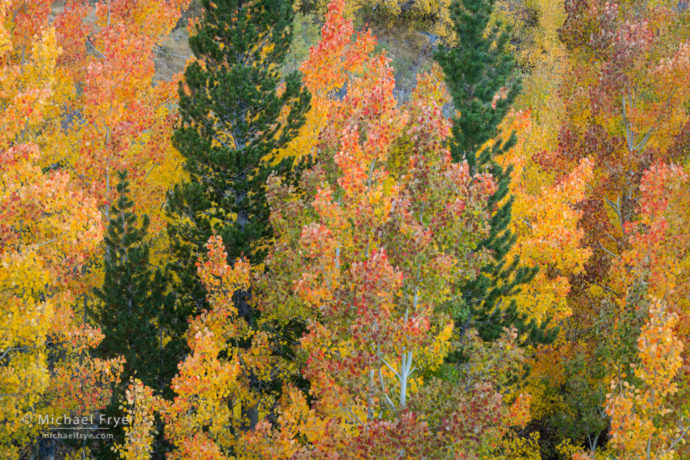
x=133, y=309
x=236, y=111
x=482, y=78
x=132, y=298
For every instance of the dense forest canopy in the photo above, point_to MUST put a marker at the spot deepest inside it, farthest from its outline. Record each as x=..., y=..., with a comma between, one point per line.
x=345, y=229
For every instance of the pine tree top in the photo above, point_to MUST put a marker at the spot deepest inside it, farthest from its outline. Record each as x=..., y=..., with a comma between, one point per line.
x=481, y=75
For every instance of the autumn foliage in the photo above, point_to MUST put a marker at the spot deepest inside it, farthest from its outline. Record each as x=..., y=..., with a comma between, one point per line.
x=50, y=228
x=344, y=339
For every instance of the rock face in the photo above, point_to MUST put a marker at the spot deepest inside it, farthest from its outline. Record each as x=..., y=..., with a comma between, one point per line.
x=172, y=54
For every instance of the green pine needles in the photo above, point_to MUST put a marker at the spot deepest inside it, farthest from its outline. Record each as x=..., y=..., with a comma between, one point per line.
x=135, y=310
x=482, y=78
x=236, y=111
x=133, y=301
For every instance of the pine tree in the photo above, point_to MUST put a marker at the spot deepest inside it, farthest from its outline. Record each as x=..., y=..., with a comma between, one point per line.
x=235, y=110
x=133, y=307
x=132, y=296
x=481, y=75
